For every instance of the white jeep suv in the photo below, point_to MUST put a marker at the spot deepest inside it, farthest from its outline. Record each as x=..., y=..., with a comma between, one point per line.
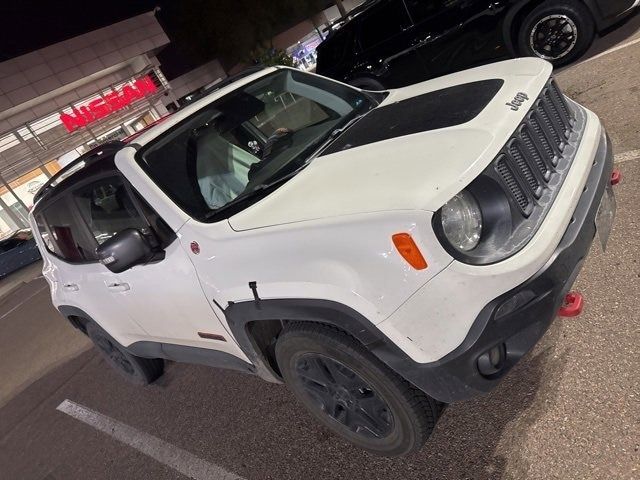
x=382, y=254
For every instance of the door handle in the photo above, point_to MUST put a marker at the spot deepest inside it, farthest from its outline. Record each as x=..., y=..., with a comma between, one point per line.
x=71, y=287
x=119, y=287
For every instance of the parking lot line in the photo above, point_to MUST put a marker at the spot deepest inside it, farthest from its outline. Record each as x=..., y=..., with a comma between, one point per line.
x=611, y=50
x=626, y=156
x=23, y=302
x=180, y=460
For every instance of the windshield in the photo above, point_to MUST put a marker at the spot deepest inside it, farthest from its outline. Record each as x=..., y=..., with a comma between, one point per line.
x=247, y=140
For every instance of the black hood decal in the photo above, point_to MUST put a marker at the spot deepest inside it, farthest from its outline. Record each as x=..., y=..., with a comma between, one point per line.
x=440, y=109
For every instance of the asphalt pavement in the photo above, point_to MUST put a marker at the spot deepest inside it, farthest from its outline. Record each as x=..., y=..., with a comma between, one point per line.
x=569, y=410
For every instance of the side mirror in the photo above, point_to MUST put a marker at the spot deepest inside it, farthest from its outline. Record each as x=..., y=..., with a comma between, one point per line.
x=125, y=250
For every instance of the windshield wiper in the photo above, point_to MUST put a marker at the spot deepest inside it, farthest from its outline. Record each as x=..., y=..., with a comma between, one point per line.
x=346, y=126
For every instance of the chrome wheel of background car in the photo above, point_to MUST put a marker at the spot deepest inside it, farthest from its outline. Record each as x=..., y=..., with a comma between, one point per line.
x=553, y=37
x=344, y=396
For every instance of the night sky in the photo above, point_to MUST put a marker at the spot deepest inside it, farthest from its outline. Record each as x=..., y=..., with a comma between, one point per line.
x=32, y=24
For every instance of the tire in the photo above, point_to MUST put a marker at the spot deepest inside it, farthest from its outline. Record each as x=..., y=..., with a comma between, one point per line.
x=541, y=36
x=367, y=84
x=136, y=370
x=352, y=393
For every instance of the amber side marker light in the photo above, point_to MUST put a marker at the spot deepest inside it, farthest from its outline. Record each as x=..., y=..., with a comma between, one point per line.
x=212, y=336
x=409, y=250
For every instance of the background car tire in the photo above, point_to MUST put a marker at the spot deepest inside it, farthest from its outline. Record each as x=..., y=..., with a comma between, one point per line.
x=545, y=21
x=367, y=84
x=361, y=399
x=136, y=370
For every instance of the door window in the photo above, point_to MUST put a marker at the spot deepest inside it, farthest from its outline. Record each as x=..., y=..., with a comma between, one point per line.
x=421, y=10
x=383, y=22
x=62, y=235
x=107, y=208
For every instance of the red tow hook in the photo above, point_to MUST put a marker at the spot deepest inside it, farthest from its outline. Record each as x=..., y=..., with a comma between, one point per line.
x=616, y=177
x=573, y=305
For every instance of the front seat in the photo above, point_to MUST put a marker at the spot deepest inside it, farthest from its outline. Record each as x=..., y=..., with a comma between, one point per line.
x=220, y=169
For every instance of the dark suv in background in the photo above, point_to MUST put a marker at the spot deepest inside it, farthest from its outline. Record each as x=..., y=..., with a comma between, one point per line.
x=394, y=43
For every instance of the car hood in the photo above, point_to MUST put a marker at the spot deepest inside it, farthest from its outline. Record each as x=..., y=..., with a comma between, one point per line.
x=421, y=146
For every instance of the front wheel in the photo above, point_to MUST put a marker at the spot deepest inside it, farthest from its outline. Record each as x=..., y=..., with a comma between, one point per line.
x=559, y=32
x=352, y=393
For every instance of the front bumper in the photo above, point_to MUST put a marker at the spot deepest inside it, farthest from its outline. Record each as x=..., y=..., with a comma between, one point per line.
x=517, y=320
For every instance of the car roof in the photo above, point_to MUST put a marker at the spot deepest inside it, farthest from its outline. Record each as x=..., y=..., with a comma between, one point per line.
x=105, y=152
x=194, y=97
x=342, y=22
x=229, y=86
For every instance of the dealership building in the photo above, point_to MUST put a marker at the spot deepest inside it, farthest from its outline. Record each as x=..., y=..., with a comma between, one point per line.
x=62, y=100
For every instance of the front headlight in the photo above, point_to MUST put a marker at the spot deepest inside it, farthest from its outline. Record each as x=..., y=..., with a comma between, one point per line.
x=462, y=221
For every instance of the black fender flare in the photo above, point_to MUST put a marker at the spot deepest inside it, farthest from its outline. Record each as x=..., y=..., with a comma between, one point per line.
x=240, y=315
x=71, y=313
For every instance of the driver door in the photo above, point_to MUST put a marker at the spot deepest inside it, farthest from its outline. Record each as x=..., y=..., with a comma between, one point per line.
x=164, y=298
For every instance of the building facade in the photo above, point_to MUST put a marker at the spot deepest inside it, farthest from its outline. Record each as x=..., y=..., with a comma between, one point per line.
x=60, y=101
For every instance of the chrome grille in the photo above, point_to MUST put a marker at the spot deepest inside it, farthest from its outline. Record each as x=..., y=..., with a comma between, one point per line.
x=530, y=158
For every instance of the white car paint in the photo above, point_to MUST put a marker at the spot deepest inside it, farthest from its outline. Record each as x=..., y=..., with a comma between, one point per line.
x=326, y=234
x=453, y=300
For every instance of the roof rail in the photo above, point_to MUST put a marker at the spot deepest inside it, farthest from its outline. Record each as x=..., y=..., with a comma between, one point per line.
x=88, y=157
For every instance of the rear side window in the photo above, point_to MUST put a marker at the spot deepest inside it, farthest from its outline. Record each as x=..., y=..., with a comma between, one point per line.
x=425, y=9
x=44, y=233
x=383, y=22
x=62, y=235
x=107, y=208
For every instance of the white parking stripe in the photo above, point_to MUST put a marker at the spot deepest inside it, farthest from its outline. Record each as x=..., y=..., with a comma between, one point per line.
x=626, y=156
x=161, y=451
x=611, y=50
x=23, y=302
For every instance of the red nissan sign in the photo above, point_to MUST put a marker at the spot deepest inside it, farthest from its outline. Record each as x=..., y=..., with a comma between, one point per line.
x=110, y=103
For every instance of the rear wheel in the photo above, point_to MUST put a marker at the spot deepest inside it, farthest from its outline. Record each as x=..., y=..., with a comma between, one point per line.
x=136, y=370
x=559, y=32
x=352, y=393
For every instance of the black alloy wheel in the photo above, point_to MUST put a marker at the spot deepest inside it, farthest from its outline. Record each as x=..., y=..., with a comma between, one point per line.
x=349, y=391
x=115, y=355
x=134, y=369
x=344, y=396
x=553, y=37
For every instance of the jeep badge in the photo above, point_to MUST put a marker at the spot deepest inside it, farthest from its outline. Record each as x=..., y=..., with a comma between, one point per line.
x=517, y=102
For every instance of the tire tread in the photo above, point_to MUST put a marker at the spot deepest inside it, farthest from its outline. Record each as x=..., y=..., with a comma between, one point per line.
x=151, y=368
x=425, y=409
